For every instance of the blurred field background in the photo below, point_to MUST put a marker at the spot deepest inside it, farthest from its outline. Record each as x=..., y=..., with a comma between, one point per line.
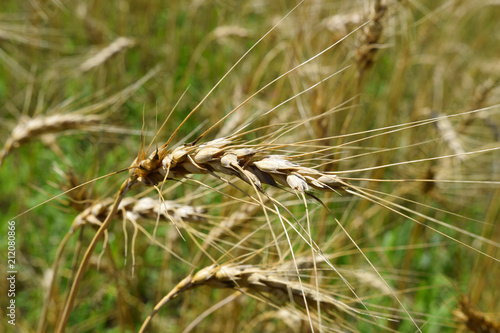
x=114, y=67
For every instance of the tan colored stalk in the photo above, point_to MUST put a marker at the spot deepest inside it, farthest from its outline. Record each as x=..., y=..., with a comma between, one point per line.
x=43, y=317
x=86, y=259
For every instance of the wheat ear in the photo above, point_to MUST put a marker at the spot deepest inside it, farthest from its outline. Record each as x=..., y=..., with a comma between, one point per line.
x=365, y=54
x=219, y=156
x=133, y=209
x=30, y=128
x=139, y=208
x=449, y=135
x=475, y=320
x=103, y=55
x=248, y=278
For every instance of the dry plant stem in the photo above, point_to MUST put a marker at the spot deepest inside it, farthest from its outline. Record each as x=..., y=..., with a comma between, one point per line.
x=366, y=52
x=86, y=259
x=43, y=318
x=314, y=275
x=479, y=283
x=55, y=267
x=123, y=307
x=74, y=266
x=296, y=270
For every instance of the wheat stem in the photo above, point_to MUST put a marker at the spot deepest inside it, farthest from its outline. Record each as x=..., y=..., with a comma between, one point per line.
x=86, y=259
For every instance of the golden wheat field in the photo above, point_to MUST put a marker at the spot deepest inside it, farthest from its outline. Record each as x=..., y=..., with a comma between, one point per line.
x=250, y=166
